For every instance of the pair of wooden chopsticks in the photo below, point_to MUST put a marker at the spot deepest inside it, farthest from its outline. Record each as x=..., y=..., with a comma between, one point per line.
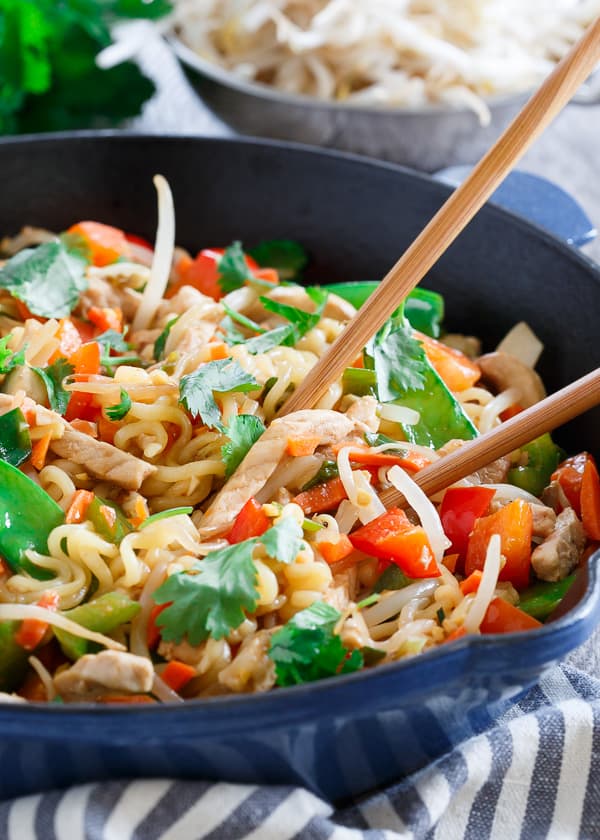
x=428, y=247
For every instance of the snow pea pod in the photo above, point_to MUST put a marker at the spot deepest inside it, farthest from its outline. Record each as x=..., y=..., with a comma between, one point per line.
x=542, y=598
x=103, y=615
x=27, y=516
x=15, y=443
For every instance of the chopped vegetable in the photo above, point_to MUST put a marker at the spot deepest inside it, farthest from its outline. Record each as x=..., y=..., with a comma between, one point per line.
x=166, y=514
x=284, y=540
x=394, y=539
x=299, y=447
x=365, y=457
x=302, y=322
x=8, y=359
x=103, y=615
x=177, y=674
x=48, y=279
x=289, y=258
x=268, y=340
x=15, y=443
x=397, y=359
x=53, y=377
x=106, y=318
x=79, y=506
x=39, y=451
x=542, y=598
x=322, y=497
x=221, y=376
x=327, y=470
x=461, y=506
x=159, y=344
x=502, y=617
x=307, y=648
x=251, y=521
x=108, y=520
x=32, y=631
x=590, y=500
x=13, y=657
x=104, y=244
x=471, y=584
x=234, y=268
x=569, y=474
x=514, y=524
x=243, y=432
x=333, y=552
x=455, y=369
x=119, y=411
x=359, y=381
x=28, y=514
x=69, y=340
x=392, y=578
x=541, y=458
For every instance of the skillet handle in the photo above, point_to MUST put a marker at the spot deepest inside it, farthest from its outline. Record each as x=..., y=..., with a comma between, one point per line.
x=539, y=201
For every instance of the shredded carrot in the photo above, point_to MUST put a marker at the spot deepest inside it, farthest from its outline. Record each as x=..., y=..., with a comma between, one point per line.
x=109, y=515
x=39, y=451
x=471, y=584
x=510, y=412
x=32, y=630
x=218, y=350
x=590, y=500
x=450, y=561
x=106, y=318
x=78, y=508
x=333, y=552
x=365, y=456
x=140, y=513
x=323, y=497
x=85, y=426
x=456, y=634
x=177, y=674
x=297, y=447
x=269, y=275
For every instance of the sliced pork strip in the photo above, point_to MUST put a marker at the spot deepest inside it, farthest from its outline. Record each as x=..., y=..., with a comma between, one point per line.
x=98, y=673
x=558, y=555
x=262, y=459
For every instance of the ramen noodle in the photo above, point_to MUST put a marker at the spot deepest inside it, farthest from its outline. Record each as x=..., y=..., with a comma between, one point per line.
x=169, y=533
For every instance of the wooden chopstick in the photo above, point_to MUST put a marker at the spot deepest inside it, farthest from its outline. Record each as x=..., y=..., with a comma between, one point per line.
x=452, y=218
x=542, y=417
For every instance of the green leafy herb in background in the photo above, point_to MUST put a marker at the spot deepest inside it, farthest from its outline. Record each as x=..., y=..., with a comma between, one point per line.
x=118, y=411
x=221, y=376
x=53, y=377
x=8, y=359
x=243, y=431
x=49, y=80
x=288, y=257
x=398, y=360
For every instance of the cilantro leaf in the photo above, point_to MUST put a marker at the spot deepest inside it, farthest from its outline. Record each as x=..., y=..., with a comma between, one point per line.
x=270, y=339
x=112, y=340
x=233, y=270
x=242, y=319
x=243, y=431
x=307, y=649
x=398, y=360
x=52, y=377
x=302, y=322
x=221, y=376
x=283, y=541
x=118, y=411
x=8, y=359
x=48, y=279
x=288, y=257
x=211, y=600
x=161, y=341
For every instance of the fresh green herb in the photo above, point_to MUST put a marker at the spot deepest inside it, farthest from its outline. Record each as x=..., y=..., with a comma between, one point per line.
x=118, y=411
x=307, y=648
x=15, y=443
x=49, y=77
x=166, y=514
x=398, y=360
x=242, y=319
x=441, y=615
x=327, y=471
x=230, y=332
x=210, y=601
x=160, y=343
x=111, y=362
x=367, y=602
x=381, y=440
x=283, y=541
x=289, y=258
x=108, y=519
x=392, y=578
x=302, y=322
x=52, y=377
x=8, y=359
x=243, y=431
x=112, y=340
x=270, y=339
x=48, y=279
x=233, y=270
x=221, y=376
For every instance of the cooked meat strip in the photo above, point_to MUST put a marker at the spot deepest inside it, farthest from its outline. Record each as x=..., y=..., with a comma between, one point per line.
x=554, y=497
x=544, y=521
x=102, y=460
x=110, y=670
x=558, y=555
x=262, y=459
x=494, y=473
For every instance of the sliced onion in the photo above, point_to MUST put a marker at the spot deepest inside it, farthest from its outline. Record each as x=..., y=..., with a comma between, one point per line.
x=391, y=604
x=492, y=411
x=346, y=516
x=424, y=509
x=163, y=256
x=522, y=343
x=399, y=414
x=355, y=484
x=487, y=586
x=510, y=493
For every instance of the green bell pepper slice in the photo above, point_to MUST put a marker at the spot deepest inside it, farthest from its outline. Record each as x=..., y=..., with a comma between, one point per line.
x=102, y=615
x=27, y=516
x=15, y=443
x=359, y=381
x=13, y=658
x=423, y=308
x=543, y=457
x=392, y=578
x=542, y=598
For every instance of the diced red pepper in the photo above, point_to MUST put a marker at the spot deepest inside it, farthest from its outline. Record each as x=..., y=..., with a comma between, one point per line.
x=32, y=630
x=203, y=273
x=177, y=674
x=590, y=500
x=514, y=524
x=569, y=474
x=461, y=506
x=251, y=521
x=106, y=318
x=333, y=552
x=105, y=243
x=456, y=369
x=502, y=617
x=471, y=584
x=393, y=538
x=86, y=359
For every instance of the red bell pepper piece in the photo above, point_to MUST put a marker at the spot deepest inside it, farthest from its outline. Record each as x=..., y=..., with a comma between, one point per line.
x=590, y=500
x=456, y=369
x=502, y=617
x=514, y=524
x=393, y=538
x=105, y=243
x=177, y=674
x=251, y=521
x=569, y=474
x=322, y=497
x=461, y=506
x=152, y=631
x=334, y=552
x=203, y=273
x=32, y=630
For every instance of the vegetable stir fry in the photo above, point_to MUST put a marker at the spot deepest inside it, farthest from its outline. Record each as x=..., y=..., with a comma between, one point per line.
x=168, y=536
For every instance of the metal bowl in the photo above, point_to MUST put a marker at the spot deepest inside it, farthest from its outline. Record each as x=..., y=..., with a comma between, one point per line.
x=346, y=735
x=427, y=138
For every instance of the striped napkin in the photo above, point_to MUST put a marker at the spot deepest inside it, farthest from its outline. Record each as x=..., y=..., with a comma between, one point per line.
x=534, y=774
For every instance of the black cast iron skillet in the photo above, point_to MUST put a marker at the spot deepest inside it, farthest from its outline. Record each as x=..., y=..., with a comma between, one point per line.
x=347, y=735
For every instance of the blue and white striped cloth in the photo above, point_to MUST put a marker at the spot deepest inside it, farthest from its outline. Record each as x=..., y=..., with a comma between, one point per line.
x=534, y=774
